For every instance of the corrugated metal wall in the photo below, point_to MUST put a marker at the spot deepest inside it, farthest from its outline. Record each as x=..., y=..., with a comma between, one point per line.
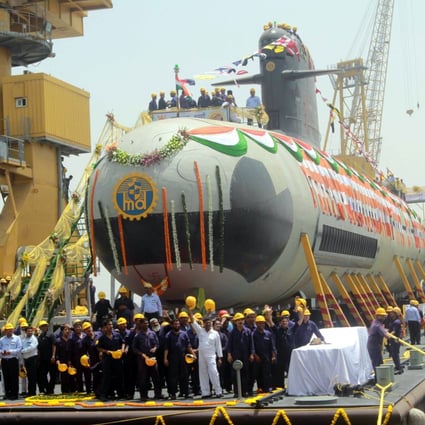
x=54, y=110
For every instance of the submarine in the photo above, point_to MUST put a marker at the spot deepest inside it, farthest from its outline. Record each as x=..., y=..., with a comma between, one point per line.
x=189, y=203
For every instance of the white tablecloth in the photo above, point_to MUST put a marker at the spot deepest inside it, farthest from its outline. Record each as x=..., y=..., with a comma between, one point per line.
x=315, y=369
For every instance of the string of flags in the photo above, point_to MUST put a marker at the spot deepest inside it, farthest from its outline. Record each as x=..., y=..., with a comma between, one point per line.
x=335, y=114
x=236, y=67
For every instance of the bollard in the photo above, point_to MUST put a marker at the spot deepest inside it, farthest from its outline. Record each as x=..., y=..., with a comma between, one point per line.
x=416, y=360
x=391, y=367
x=383, y=375
x=238, y=365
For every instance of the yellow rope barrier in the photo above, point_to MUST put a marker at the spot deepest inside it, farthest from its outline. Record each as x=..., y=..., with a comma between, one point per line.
x=381, y=402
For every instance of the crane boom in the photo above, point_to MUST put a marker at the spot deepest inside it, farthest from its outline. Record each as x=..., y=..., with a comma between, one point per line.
x=359, y=91
x=376, y=74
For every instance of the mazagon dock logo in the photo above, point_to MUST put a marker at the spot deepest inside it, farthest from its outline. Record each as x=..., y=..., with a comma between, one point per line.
x=135, y=196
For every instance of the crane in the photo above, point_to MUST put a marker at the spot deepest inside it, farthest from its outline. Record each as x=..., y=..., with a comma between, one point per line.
x=359, y=90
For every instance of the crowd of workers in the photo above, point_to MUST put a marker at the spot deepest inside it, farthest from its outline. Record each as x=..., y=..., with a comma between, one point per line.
x=218, y=97
x=123, y=351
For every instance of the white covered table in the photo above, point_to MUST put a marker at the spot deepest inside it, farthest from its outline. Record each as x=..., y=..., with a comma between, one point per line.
x=315, y=369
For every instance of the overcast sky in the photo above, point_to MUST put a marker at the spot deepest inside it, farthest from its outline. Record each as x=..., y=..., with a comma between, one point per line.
x=129, y=51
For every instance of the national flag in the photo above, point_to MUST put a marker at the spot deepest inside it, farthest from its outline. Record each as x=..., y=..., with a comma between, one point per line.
x=181, y=84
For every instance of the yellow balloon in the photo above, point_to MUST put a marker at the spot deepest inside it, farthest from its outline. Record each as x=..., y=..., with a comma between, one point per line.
x=190, y=302
x=209, y=305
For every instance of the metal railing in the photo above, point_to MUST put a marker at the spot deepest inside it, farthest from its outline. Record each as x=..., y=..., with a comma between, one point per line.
x=11, y=149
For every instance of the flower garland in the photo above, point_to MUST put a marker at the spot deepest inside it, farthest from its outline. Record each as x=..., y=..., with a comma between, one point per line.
x=281, y=413
x=343, y=413
x=210, y=223
x=175, y=144
x=175, y=237
x=187, y=230
x=221, y=410
x=104, y=213
x=220, y=218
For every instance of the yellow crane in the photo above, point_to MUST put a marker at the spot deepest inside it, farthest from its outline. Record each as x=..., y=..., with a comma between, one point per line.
x=359, y=90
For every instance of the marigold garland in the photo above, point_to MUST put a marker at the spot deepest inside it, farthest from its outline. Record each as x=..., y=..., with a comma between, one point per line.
x=175, y=144
x=343, y=413
x=187, y=230
x=222, y=410
x=201, y=216
x=281, y=413
x=122, y=242
x=388, y=415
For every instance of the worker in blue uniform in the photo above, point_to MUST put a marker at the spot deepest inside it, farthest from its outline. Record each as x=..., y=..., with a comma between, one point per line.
x=305, y=328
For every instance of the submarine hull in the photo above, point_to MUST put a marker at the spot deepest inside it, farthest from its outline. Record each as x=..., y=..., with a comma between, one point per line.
x=224, y=208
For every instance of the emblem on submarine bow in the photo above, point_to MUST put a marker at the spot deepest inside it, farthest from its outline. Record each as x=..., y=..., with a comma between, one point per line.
x=135, y=196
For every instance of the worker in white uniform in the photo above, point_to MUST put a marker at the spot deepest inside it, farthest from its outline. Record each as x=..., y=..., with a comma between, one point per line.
x=210, y=354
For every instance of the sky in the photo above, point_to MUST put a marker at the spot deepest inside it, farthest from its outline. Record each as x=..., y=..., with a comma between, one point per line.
x=129, y=51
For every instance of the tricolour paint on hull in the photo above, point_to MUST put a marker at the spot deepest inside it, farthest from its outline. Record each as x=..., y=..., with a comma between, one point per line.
x=224, y=211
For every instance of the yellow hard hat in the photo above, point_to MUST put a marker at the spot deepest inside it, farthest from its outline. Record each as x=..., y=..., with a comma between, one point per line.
x=101, y=295
x=202, y=89
x=248, y=311
x=162, y=93
x=301, y=302
x=23, y=372
x=307, y=312
x=121, y=321
x=117, y=354
x=150, y=361
x=21, y=319
x=182, y=314
x=189, y=358
x=397, y=310
x=86, y=325
x=190, y=302
x=209, y=305
x=23, y=324
x=172, y=92
x=72, y=370
x=238, y=316
x=62, y=367
x=198, y=316
x=138, y=316
x=84, y=360
x=43, y=323
x=285, y=313
x=380, y=311
x=153, y=94
x=123, y=290
x=389, y=309
x=260, y=318
x=8, y=327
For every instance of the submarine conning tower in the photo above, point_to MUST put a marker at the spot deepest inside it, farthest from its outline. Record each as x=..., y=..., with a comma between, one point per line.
x=288, y=91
